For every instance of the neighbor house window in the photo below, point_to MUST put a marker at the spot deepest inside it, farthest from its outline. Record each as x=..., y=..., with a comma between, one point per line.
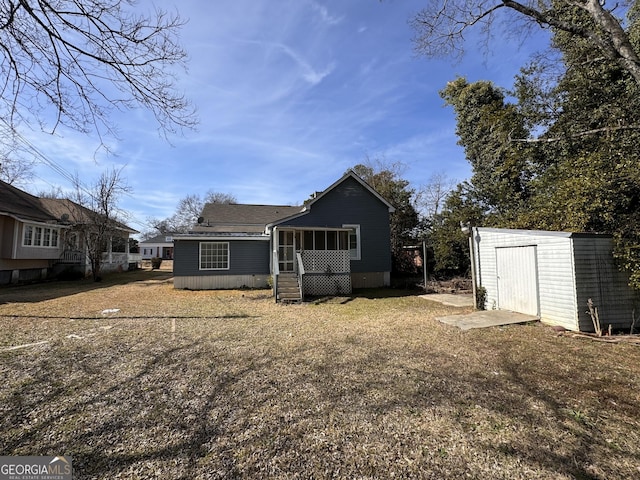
x=214, y=256
x=354, y=241
x=34, y=236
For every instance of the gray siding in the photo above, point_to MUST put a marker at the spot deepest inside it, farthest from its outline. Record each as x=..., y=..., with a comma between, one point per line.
x=598, y=278
x=246, y=257
x=351, y=203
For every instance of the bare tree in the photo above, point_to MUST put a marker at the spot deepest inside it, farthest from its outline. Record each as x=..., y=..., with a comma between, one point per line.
x=16, y=165
x=83, y=58
x=442, y=24
x=187, y=212
x=430, y=197
x=96, y=214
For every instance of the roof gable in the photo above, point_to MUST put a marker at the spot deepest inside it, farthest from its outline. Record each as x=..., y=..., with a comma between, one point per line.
x=318, y=196
x=357, y=178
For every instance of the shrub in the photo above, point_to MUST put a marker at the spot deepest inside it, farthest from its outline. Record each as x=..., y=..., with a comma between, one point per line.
x=481, y=298
x=70, y=273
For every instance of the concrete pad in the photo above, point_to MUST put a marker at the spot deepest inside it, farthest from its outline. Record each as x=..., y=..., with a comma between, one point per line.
x=486, y=318
x=451, y=300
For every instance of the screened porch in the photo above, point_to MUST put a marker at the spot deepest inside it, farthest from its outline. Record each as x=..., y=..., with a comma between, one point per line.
x=318, y=257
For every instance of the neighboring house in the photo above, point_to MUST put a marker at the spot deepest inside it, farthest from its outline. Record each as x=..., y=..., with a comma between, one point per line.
x=39, y=238
x=553, y=275
x=160, y=246
x=338, y=240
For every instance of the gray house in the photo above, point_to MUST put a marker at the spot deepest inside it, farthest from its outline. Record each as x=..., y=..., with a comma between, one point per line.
x=337, y=241
x=553, y=275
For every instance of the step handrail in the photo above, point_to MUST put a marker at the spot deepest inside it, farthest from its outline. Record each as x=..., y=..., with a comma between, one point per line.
x=301, y=272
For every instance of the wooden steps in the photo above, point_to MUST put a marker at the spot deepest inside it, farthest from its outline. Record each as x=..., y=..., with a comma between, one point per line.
x=288, y=287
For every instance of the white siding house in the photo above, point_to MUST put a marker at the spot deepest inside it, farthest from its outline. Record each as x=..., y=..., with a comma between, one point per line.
x=552, y=275
x=160, y=246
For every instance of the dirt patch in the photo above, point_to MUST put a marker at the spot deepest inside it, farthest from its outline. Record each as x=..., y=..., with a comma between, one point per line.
x=454, y=285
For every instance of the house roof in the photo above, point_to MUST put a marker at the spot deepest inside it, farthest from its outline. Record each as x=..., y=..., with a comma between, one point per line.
x=18, y=203
x=160, y=238
x=75, y=213
x=241, y=218
x=27, y=207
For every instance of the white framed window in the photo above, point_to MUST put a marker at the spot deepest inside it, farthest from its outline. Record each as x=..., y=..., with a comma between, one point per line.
x=36, y=236
x=214, y=256
x=354, y=241
x=28, y=236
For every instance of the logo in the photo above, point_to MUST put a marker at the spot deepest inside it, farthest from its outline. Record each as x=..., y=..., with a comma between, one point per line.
x=36, y=468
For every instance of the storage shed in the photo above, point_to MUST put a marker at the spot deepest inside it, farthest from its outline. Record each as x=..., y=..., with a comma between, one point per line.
x=552, y=275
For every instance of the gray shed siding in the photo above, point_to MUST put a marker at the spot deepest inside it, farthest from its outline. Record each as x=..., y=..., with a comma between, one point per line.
x=571, y=269
x=598, y=278
x=351, y=203
x=246, y=257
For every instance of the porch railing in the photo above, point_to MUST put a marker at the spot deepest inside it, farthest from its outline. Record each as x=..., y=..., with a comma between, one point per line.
x=71, y=257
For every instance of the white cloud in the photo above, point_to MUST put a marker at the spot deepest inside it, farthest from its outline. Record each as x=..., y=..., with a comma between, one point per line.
x=324, y=14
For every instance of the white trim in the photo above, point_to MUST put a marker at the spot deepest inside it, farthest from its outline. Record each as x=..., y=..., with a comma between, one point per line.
x=222, y=238
x=43, y=230
x=358, y=252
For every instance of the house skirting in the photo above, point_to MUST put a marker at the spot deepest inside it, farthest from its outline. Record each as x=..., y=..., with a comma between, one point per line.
x=221, y=282
x=323, y=284
x=370, y=279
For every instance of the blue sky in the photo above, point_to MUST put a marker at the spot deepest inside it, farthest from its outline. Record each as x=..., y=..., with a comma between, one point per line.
x=290, y=94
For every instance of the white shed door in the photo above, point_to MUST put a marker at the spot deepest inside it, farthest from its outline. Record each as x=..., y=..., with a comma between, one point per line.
x=517, y=279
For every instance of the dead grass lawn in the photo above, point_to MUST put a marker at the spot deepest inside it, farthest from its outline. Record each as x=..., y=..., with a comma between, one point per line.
x=354, y=387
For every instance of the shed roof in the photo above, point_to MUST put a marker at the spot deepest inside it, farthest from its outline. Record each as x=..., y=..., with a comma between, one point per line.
x=549, y=233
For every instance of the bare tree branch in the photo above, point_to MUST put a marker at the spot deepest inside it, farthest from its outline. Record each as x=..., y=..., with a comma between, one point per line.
x=575, y=135
x=442, y=24
x=83, y=58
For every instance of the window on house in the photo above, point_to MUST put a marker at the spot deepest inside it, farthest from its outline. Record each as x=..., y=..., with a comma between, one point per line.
x=354, y=241
x=34, y=236
x=28, y=236
x=214, y=256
